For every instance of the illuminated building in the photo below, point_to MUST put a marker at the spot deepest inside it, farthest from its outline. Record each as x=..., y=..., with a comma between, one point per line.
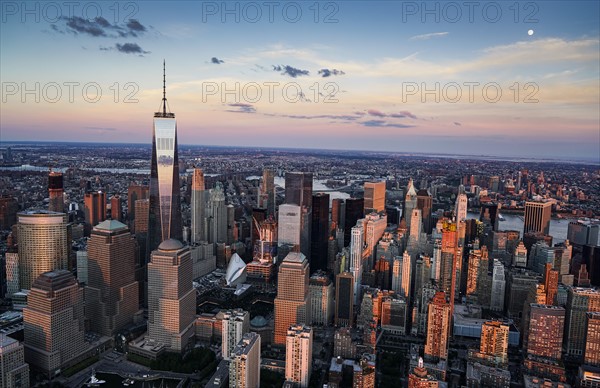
x=43, y=244
x=94, y=209
x=14, y=371
x=244, y=367
x=235, y=324
x=298, y=354
x=292, y=302
x=374, y=197
x=438, y=328
x=537, y=217
x=164, y=220
x=579, y=302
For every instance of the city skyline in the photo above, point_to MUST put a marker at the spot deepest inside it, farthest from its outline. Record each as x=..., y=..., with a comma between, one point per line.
x=376, y=108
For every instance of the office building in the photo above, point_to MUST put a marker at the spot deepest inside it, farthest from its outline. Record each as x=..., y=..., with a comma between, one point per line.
x=111, y=294
x=142, y=211
x=425, y=204
x=289, y=225
x=584, y=232
x=498, y=287
x=266, y=197
x=374, y=197
x=14, y=371
x=292, y=302
x=438, y=328
x=592, y=340
x=135, y=192
x=537, y=217
x=56, y=192
x=344, y=299
x=356, y=259
x=579, y=302
x=354, y=211
x=494, y=342
x=410, y=203
x=321, y=299
x=234, y=325
x=298, y=354
x=244, y=367
x=171, y=297
x=546, y=326
x=420, y=378
x=8, y=212
x=164, y=221
x=319, y=232
x=460, y=208
x=54, y=321
x=198, y=207
x=43, y=244
x=94, y=209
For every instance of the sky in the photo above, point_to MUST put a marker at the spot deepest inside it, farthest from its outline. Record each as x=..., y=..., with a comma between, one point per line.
x=504, y=78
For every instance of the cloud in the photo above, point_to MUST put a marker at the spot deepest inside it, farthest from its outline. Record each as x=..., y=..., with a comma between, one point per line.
x=241, y=107
x=457, y=123
x=399, y=115
x=289, y=70
x=383, y=123
x=327, y=72
x=101, y=129
x=99, y=27
x=126, y=48
x=216, y=61
x=428, y=36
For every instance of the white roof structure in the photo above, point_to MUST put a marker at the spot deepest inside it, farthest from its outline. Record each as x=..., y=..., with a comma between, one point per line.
x=236, y=271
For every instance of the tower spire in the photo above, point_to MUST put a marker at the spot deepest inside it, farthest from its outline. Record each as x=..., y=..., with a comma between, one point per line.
x=164, y=89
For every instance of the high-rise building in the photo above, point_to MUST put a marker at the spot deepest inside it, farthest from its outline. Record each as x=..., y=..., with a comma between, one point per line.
x=43, y=244
x=320, y=232
x=338, y=212
x=164, y=220
x=353, y=212
x=344, y=299
x=171, y=296
x=8, y=212
x=134, y=193
x=198, y=207
x=321, y=298
x=116, y=208
x=460, y=209
x=405, y=287
x=142, y=212
x=494, y=342
x=374, y=197
x=267, y=192
x=217, y=215
x=397, y=267
x=425, y=203
x=356, y=259
x=584, y=232
x=292, y=303
x=234, y=325
x=244, y=367
x=592, y=339
x=298, y=354
x=498, y=287
x=537, y=217
x=489, y=214
x=579, y=302
x=419, y=378
x=289, y=223
x=394, y=314
x=520, y=255
x=438, y=328
x=111, y=294
x=54, y=321
x=546, y=325
x=56, y=192
x=94, y=209
x=14, y=371
x=410, y=202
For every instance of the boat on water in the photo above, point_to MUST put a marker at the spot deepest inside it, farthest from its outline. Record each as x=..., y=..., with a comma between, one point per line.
x=128, y=382
x=94, y=382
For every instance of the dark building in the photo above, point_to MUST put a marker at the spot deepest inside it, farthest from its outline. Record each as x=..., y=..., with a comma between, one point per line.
x=337, y=213
x=591, y=257
x=56, y=192
x=319, y=232
x=489, y=213
x=134, y=193
x=344, y=294
x=298, y=188
x=354, y=212
x=8, y=212
x=425, y=202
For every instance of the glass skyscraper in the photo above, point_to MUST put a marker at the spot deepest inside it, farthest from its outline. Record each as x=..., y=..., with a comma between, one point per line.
x=165, y=208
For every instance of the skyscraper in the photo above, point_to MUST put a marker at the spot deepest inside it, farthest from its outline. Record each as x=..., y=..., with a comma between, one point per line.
x=405, y=288
x=494, y=341
x=198, y=207
x=43, y=244
x=244, y=368
x=54, y=321
x=319, y=232
x=134, y=193
x=498, y=287
x=164, y=220
x=235, y=324
x=288, y=229
x=438, y=328
x=267, y=192
x=298, y=354
x=374, y=197
x=356, y=254
x=546, y=325
x=592, y=340
x=111, y=294
x=352, y=213
x=56, y=192
x=579, y=302
x=171, y=296
x=94, y=209
x=298, y=188
x=14, y=371
x=217, y=215
x=116, y=208
x=291, y=303
x=425, y=203
x=460, y=209
x=321, y=298
x=344, y=299
x=410, y=202
x=537, y=217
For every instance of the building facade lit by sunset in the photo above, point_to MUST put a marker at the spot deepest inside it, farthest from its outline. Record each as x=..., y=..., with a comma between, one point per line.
x=165, y=204
x=43, y=244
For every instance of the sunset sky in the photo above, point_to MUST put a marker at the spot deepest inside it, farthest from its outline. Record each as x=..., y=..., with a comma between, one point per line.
x=372, y=59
